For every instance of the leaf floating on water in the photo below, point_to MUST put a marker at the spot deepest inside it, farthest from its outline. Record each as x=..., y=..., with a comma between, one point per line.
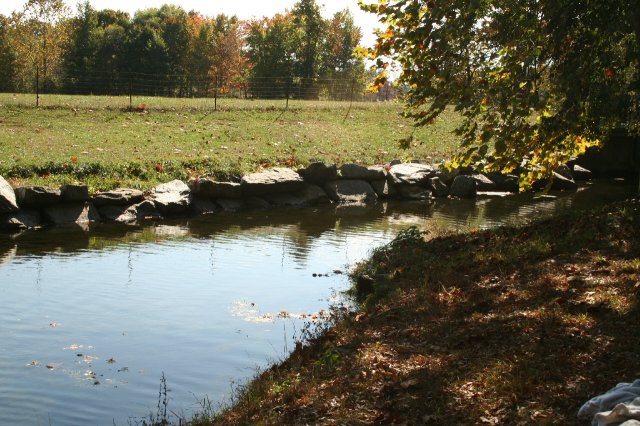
x=123, y=369
x=54, y=324
x=111, y=361
x=33, y=363
x=72, y=347
x=53, y=366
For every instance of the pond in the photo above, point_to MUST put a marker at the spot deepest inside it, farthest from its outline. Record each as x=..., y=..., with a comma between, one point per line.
x=91, y=321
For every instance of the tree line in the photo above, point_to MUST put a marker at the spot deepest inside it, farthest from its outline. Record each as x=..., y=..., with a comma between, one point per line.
x=169, y=51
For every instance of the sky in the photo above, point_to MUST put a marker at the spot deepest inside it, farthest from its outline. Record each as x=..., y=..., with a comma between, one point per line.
x=244, y=9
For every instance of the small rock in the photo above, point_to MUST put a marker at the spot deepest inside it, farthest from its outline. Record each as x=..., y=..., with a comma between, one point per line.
x=274, y=181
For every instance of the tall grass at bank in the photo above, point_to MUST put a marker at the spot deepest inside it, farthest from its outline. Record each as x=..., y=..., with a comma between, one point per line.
x=68, y=136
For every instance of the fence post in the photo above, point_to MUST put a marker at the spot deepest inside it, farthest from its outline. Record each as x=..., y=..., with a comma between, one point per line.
x=37, y=85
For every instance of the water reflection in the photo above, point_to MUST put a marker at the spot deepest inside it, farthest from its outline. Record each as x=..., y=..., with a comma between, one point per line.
x=204, y=301
x=300, y=227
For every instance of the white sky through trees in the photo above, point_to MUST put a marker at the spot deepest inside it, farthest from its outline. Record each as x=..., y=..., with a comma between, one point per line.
x=244, y=9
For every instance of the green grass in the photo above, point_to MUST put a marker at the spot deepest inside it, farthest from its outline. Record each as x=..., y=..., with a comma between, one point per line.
x=48, y=145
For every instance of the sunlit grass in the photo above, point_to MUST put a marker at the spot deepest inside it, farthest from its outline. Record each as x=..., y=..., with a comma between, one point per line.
x=241, y=136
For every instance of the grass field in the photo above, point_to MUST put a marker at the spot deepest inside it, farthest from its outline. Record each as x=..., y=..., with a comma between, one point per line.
x=95, y=140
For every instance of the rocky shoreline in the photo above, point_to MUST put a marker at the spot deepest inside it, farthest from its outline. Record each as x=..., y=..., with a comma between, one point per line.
x=37, y=207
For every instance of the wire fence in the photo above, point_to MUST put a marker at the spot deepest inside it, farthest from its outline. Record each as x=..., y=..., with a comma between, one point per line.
x=136, y=91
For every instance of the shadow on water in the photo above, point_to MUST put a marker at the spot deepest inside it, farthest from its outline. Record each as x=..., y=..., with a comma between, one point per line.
x=304, y=225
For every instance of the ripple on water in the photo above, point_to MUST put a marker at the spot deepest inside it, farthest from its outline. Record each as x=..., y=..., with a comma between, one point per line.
x=205, y=302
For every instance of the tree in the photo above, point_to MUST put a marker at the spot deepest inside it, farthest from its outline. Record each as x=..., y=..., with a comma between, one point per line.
x=310, y=34
x=341, y=67
x=538, y=81
x=271, y=55
x=7, y=56
x=40, y=36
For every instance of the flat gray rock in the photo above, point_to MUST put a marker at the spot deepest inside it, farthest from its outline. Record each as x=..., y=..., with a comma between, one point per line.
x=410, y=174
x=463, y=186
x=67, y=214
x=350, y=191
x=118, y=197
x=319, y=173
x=172, y=197
x=214, y=189
x=273, y=181
x=37, y=196
x=7, y=197
x=71, y=193
x=356, y=171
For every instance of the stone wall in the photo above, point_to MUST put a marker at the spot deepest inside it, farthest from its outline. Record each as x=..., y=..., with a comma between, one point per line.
x=319, y=183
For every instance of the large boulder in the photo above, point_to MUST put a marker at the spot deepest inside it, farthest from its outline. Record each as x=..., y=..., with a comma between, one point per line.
x=214, y=189
x=562, y=183
x=504, y=182
x=410, y=174
x=350, y=191
x=445, y=175
x=319, y=173
x=273, y=181
x=37, y=196
x=172, y=197
x=356, y=171
x=564, y=171
x=463, y=186
x=438, y=187
x=67, y=214
x=7, y=197
x=483, y=183
x=118, y=197
x=74, y=193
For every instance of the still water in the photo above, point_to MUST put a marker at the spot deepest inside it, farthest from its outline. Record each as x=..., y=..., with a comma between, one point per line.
x=90, y=321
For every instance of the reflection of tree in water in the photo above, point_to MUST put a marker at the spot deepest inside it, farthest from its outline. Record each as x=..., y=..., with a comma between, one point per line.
x=301, y=228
